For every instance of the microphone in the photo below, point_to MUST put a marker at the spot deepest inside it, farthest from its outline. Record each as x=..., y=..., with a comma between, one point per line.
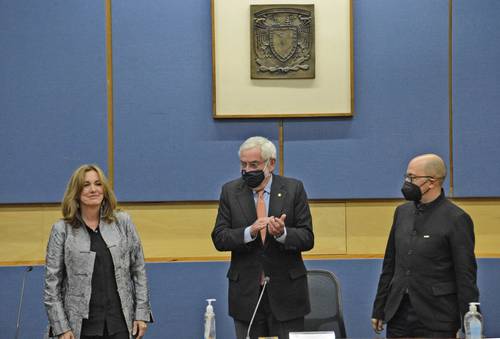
x=266, y=281
x=26, y=270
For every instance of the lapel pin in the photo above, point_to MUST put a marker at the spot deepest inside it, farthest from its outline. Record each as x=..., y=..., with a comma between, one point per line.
x=279, y=195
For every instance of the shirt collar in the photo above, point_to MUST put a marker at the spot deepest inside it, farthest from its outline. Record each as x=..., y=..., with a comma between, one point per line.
x=267, y=188
x=97, y=230
x=430, y=205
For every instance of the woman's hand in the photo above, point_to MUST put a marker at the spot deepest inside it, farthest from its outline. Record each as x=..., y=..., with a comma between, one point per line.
x=139, y=329
x=67, y=335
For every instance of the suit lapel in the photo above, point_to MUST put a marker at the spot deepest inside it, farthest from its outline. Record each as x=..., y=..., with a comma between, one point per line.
x=277, y=198
x=111, y=236
x=247, y=203
x=109, y=233
x=81, y=238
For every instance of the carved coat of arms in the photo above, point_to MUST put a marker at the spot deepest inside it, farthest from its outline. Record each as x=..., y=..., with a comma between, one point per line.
x=282, y=41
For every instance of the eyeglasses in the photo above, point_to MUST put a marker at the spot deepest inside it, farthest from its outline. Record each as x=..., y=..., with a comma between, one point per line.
x=411, y=177
x=253, y=165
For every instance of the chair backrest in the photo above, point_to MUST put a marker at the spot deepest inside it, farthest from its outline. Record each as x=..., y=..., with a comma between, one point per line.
x=326, y=303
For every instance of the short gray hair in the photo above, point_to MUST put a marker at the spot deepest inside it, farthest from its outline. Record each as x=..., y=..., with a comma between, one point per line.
x=267, y=148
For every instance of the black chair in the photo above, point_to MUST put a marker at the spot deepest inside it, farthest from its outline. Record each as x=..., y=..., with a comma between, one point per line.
x=326, y=303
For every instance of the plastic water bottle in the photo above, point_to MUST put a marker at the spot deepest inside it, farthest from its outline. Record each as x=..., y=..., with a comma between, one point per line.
x=473, y=323
x=210, y=320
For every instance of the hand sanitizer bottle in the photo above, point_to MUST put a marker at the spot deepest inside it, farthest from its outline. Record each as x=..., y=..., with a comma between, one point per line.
x=210, y=320
x=473, y=323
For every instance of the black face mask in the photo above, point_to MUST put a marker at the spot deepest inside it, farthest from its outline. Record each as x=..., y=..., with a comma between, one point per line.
x=254, y=178
x=411, y=191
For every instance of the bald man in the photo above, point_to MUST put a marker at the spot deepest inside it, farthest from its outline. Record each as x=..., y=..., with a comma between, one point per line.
x=429, y=271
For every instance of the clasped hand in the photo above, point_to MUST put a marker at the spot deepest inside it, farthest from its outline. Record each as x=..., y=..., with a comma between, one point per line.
x=276, y=225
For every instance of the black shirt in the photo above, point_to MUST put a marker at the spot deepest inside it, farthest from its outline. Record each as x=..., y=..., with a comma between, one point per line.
x=105, y=307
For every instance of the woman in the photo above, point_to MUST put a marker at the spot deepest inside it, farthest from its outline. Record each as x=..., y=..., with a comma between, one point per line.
x=95, y=278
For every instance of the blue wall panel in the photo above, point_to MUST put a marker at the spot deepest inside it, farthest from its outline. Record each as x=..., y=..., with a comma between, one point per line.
x=401, y=105
x=52, y=95
x=168, y=147
x=179, y=290
x=476, y=97
x=33, y=319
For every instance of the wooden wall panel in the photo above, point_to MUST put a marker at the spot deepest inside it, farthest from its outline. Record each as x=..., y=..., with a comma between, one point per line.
x=181, y=231
x=368, y=225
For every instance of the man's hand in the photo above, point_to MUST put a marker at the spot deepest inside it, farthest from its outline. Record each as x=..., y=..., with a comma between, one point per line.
x=67, y=335
x=139, y=329
x=378, y=325
x=258, y=225
x=277, y=225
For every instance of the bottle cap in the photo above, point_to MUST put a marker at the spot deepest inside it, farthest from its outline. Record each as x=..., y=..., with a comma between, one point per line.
x=473, y=306
x=210, y=308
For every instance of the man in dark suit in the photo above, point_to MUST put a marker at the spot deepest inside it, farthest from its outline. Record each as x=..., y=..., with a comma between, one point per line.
x=429, y=270
x=264, y=220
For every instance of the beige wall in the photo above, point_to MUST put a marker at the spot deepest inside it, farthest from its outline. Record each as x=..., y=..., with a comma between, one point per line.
x=181, y=231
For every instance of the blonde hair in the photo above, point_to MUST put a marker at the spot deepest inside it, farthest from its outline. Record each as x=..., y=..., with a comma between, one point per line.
x=70, y=204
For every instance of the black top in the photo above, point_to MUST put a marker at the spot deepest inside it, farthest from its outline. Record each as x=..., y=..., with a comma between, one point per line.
x=105, y=307
x=430, y=256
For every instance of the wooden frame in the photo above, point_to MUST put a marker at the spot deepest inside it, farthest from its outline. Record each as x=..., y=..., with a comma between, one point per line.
x=236, y=95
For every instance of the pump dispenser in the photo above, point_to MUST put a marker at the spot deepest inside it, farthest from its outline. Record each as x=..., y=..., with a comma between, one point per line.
x=210, y=320
x=473, y=322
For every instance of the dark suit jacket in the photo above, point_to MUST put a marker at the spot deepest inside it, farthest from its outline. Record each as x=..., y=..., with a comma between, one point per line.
x=430, y=254
x=287, y=288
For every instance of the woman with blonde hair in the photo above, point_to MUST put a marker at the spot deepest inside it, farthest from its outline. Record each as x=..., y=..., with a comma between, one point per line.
x=95, y=277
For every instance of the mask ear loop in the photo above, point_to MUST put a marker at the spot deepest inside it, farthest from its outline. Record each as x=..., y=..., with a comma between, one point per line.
x=427, y=180
x=264, y=169
x=265, y=166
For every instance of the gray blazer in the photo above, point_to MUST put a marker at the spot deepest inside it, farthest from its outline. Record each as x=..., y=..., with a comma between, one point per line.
x=68, y=274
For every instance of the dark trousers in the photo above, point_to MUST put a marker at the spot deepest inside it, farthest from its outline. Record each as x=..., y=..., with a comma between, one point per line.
x=266, y=325
x=405, y=324
x=119, y=335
